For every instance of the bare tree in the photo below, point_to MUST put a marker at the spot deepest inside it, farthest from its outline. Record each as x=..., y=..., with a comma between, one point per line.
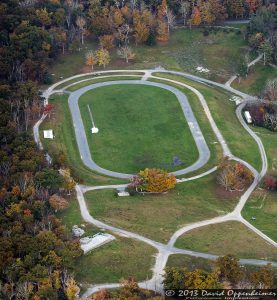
x=184, y=10
x=171, y=19
x=81, y=23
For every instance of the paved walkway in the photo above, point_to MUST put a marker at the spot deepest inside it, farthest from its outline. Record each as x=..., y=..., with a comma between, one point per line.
x=81, y=137
x=164, y=250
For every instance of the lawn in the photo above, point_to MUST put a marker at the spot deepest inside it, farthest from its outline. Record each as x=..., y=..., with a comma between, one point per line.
x=158, y=217
x=263, y=206
x=122, y=258
x=186, y=50
x=65, y=142
x=227, y=238
x=223, y=112
x=139, y=126
x=255, y=82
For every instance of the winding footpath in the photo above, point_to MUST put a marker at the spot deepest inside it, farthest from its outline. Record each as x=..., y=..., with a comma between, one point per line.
x=165, y=250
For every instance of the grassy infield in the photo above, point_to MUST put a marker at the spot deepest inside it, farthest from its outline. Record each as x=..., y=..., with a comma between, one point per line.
x=188, y=202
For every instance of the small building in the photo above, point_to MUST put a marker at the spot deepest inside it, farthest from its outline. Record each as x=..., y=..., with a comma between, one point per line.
x=91, y=242
x=77, y=232
x=248, y=117
x=48, y=134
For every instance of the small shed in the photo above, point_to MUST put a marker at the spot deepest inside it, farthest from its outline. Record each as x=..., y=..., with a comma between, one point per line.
x=48, y=134
x=91, y=242
x=248, y=117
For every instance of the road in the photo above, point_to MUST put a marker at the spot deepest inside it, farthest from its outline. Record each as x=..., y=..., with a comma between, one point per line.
x=165, y=250
x=81, y=137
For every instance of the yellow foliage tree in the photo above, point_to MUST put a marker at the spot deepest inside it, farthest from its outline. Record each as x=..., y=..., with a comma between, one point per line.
x=71, y=289
x=157, y=181
x=103, y=57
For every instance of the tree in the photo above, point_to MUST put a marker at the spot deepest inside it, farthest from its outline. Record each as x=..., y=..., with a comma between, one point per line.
x=253, y=5
x=71, y=288
x=103, y=57
x=126, y=52
x=107, y=41
x=58, y=203
x=184, y=10
x=263, y=278
x=267, y=51
x=195, y=17
x=91, y=59
x=81, y=23
x=270, y=91
x=235, y=8
x=229, y=268
x=162, y=28
x=153, y=181
x=199, y=279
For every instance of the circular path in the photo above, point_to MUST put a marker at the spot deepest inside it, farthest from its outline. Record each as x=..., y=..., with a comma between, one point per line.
x=81, y=137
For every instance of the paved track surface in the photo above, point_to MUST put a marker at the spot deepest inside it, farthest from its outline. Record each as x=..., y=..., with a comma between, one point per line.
x=164, y=250
x=81, y=137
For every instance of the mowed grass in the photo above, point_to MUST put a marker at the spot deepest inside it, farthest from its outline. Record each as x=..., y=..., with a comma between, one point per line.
x=186, y=50
x=262, y=205
x=158, y=217
x=64, y=141
x=223, y=111
x=255, y=82
x=139, y=126
x=121, y=258
x=228, y=238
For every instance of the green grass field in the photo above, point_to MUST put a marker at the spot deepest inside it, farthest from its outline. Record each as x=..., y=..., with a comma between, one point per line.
x=158, y=217
x=139, y=127
x=227, y=238
x=121, y=258
x=186, y=50
x=263, y=206
x=255, y=82
x=223, y=112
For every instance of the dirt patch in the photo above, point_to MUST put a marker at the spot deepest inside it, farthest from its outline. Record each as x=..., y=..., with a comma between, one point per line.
x=86, y=69
x=222, y=193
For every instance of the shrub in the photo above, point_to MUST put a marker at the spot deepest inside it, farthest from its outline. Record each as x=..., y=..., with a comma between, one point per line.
x=270, y=182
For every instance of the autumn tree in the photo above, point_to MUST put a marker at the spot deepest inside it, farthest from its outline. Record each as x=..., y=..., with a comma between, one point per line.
x=229, y=268
x=162, y=27
x=58, y=203
x=195, y=17
x=233, y=177
x=91, y=59
x=126, y=52
x=263, y=278
x=153, y=181
x=103, y=57
x=107, y=41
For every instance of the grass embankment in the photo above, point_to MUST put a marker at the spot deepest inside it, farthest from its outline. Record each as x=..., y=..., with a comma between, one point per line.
x=239, y=141
x=139, y=127
x=227, y=238
x=255, y=82
x=186, y=50
x=158, y=217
